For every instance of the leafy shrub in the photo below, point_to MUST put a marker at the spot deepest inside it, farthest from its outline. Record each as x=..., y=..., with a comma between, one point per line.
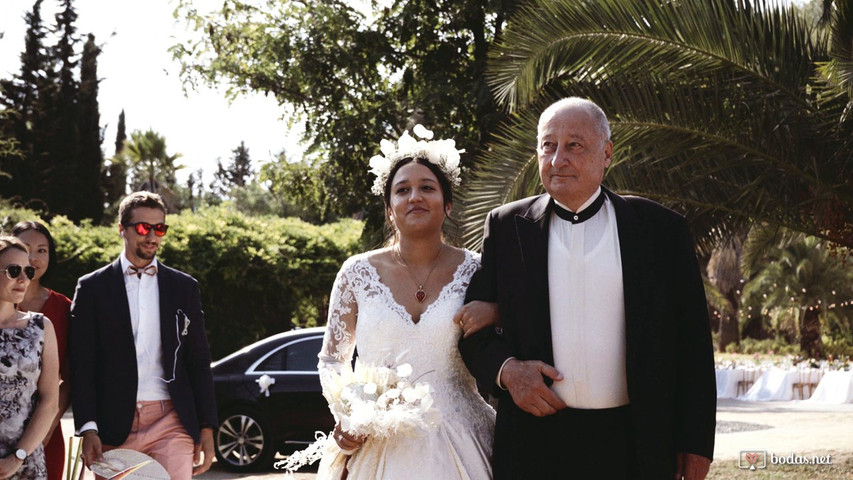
x=775, y=346
x=837, y=347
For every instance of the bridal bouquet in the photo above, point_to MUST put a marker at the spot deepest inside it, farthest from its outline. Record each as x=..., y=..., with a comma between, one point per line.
x=377, y=401
x=369, y=400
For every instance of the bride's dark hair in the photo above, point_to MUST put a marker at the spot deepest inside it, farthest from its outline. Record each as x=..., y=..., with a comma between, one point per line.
x=443, y=182
x=446, y=192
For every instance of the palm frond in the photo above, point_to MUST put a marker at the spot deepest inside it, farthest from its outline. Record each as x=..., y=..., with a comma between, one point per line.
x=716, y=106
x=841, y=47
x=717, y=299
x=591, y=40
x=506, y=171
x=683, y=146
x=762, y=243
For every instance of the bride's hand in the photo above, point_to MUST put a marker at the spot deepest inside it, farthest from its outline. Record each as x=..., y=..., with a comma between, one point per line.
x=346, y=441
x=475, y=316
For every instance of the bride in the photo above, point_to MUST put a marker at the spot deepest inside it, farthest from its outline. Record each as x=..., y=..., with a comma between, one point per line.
x=399, y=303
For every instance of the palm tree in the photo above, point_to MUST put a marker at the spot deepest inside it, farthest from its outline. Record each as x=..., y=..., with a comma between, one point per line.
x=796, y=280
x=724, y=275
x=151, y=165
x=730, y=111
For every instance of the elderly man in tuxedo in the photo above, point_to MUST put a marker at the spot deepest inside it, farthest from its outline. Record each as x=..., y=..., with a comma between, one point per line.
x=603, y=364
x=140, y=361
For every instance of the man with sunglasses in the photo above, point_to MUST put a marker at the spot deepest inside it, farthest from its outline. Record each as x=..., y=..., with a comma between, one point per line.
x=140, y=361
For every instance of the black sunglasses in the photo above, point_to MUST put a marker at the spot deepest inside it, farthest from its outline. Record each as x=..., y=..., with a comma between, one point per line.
x=142, y=228
x=12, y=271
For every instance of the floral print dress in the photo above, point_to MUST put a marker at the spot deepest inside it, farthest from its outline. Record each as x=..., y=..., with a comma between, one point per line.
x=20, y=368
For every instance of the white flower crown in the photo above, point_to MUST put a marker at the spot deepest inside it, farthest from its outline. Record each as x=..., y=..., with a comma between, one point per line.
x=442, y=153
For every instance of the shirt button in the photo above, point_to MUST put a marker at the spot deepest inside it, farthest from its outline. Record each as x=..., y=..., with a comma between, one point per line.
x=139, y=406
x=576, y=217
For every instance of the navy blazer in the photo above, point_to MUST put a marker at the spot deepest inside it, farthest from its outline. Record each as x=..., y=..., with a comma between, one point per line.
x=669, y=357
x=102, y=353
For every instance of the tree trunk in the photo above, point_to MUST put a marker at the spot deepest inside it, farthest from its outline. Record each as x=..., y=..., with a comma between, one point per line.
x=810, y=340
x=728, y=331
x=724, y=273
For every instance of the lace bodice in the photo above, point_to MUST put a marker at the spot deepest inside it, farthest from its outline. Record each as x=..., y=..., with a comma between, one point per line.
x=363, y=307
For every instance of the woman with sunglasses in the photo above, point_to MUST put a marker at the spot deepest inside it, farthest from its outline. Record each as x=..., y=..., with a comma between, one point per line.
x=54, y=306
x=29, y=370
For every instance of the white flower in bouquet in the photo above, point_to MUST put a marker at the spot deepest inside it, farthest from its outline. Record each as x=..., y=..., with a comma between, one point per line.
x=372, y=401
x=378, y=401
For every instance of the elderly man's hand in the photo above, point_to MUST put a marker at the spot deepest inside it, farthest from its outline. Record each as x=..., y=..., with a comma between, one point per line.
x=524, y=381
x=690, y=466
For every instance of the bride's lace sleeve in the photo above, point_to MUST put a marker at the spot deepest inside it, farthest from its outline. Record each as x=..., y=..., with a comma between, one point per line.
x=339, y=339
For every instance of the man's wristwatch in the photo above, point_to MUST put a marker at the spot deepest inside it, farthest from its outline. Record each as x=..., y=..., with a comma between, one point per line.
x=21, y=454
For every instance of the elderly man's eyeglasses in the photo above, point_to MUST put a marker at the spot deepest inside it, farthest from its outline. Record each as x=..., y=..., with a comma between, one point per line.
x=142, y=228
x=13, y=271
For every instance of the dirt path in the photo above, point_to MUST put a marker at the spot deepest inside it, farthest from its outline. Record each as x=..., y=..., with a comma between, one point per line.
x=784, y=428
x=779, y=428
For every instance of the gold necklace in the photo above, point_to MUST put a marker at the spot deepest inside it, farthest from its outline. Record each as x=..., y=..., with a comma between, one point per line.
x=420, y=294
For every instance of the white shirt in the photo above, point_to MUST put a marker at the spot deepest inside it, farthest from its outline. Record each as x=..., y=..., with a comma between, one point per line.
x=587, y=309
x=143, y=298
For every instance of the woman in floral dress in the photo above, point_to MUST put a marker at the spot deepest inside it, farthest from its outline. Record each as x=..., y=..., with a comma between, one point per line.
x=56, y=307
x=29, y=370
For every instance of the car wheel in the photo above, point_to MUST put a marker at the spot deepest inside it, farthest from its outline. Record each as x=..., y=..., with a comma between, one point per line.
x=245, y=441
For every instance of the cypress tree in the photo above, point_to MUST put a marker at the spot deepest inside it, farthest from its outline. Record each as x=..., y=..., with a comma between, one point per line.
x=27, y=116
x=121, y=133
x=54, y=120
x=115, y=174
x=62, y=189
x=90, y=192
x=237, y=174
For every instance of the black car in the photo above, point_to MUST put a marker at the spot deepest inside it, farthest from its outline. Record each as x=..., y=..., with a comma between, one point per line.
x=254, y=426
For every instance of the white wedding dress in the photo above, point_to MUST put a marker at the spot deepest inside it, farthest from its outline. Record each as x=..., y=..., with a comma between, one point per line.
x=363, y=313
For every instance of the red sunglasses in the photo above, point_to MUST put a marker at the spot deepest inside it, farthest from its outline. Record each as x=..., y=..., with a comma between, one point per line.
x=143, y=228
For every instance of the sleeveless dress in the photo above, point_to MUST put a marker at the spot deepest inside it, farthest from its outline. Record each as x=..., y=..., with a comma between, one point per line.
x=20, y=368
x=363, y=312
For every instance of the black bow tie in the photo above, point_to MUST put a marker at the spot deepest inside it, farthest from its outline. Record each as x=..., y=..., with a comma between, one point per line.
x=581, y=216
x=149, y=270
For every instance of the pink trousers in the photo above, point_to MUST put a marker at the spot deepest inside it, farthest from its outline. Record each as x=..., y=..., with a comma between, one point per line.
x=158, y=432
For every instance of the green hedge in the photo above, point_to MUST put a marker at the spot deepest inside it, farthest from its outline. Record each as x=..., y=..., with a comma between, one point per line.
x=258, y=275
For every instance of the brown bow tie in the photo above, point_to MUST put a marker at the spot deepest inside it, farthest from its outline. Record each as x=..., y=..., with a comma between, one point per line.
x=149, y=270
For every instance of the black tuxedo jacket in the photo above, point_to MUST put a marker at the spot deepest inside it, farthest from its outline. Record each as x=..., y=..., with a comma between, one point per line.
x=102, y=353
x=670, y=366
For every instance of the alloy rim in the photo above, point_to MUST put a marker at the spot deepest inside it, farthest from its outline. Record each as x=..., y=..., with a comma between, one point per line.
x=240, y=440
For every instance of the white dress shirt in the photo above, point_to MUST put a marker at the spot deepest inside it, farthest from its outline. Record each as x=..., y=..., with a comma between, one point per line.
x=143, y=298
x=587, y=309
